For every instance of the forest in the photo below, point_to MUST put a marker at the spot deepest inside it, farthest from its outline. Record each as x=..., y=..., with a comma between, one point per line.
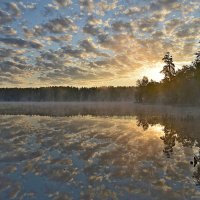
x=178, y=87
x=68, y=94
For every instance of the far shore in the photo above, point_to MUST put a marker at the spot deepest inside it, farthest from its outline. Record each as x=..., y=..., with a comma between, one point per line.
x=98, y=108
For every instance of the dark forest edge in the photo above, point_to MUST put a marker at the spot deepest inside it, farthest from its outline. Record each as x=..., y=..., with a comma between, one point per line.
x=178, y=87
x=67, y=94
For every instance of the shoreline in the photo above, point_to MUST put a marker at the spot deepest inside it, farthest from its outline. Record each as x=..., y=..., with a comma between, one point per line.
x=97, y=108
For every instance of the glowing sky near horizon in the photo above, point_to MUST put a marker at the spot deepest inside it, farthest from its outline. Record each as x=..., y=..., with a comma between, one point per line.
x=93, y=42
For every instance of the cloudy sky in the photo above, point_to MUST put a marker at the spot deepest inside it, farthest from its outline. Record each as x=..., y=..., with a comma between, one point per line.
x=93, y=42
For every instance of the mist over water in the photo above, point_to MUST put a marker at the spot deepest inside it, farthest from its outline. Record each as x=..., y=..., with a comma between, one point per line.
x=129, y=155
x=109, y=108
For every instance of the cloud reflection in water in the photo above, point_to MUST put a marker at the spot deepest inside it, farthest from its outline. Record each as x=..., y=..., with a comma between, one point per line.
x=85, y=157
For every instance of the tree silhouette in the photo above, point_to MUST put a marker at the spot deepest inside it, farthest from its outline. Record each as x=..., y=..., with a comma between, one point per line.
x=177, y=87
x=140, y=92
x=197, y=56
x=67, y=94
x=168, y=69
x=143, y=82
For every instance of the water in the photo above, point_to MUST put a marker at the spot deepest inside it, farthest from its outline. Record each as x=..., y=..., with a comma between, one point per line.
x=98, y=157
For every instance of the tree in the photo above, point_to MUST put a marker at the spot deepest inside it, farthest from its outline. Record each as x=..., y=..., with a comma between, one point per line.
x=168, y=69
x=141, y=87
x=143, y=82
x=197, y=56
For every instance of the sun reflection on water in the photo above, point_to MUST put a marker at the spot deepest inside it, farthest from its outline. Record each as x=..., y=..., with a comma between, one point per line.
x=91, y=157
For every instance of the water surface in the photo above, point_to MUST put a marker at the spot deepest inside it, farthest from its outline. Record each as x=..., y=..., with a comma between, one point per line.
x=98, y=157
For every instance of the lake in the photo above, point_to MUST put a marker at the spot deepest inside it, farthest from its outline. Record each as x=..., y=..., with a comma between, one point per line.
x=107, y=156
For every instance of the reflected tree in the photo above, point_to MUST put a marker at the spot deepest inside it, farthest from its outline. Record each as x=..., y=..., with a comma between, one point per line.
x=175, y=130
x=142, y=123
x=169, y=140
x=196, y=176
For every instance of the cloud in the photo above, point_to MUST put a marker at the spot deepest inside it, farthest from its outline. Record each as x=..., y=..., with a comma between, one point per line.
x=87, y=5
x=92, y=40
x=121, y=26
x=118, y=43
x=189, y=30
x=71, y=73
x=170, y=25
x=90, y=47
x=7, y=30
x=49, y=9
x=4, y=52
x=36, y=31
x=56, y=5
x=60, y=25
x=68, y=73
x=14, y=73
x=30, y=6
x=92, y=29
x=17, y=42
x=104, y=6
x=51, y=56
x=63, y=3
x=94, y=21
x=60, y=39
x=70, y=51
x=9, y=53
x=12, y=67
x=5, y=17
x=147, y=24
x=165, y=5
x=94, y=26
x=133, y=10
x=14, y=9
x=9, y=80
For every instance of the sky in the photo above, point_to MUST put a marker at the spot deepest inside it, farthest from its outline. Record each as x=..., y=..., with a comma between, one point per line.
x=86, y=43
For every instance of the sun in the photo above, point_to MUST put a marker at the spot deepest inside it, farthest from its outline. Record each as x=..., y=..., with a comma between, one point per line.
x=152, y=72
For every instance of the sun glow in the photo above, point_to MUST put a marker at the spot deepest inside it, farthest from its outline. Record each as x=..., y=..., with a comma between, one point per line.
x=155, y=75
x=152, y=72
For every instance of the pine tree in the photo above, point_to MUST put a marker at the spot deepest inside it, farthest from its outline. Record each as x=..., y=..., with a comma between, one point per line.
x=168, y=69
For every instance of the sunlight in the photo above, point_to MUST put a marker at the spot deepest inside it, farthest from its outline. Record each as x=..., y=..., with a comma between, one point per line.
x=155, y=74
x=158, y=130
x=152, y=72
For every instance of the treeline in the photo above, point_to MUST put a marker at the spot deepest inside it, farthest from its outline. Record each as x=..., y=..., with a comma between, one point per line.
x=68, y=94
x=181, y=87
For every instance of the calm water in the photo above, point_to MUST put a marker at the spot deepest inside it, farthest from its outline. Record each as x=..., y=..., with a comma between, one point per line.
x=98, y=157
